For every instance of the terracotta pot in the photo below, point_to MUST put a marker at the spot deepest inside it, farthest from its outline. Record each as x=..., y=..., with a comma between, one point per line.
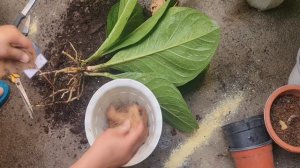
x=249, y=143
x=287, y=89
x=255, y=158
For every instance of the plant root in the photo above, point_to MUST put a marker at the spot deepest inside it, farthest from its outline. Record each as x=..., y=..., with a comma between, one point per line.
x=291, y=118
x=67, y=83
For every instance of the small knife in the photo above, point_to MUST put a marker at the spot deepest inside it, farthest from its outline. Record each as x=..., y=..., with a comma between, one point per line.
x=26, y=27
x=24, y=12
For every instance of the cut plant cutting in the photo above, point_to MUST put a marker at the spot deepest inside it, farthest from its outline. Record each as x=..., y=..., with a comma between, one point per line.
x=167, y=50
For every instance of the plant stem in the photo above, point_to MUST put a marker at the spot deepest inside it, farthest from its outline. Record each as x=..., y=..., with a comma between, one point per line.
x=96, y=68
x=104, y=74
x=96, y=56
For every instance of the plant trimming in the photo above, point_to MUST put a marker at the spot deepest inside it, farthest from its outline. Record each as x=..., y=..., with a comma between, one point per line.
x=166, y=51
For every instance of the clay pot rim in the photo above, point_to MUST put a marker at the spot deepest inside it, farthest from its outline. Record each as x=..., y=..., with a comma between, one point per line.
x=267, y=117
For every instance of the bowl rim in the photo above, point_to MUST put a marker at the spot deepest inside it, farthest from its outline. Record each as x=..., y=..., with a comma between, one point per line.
x=134, y=85
x=267, y=117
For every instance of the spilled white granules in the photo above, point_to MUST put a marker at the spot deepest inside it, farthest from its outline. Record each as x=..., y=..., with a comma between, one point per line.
x=212, y=121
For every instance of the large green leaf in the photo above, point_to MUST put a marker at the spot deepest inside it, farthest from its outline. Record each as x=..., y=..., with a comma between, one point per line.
x=181, y=46
x=175, y=110
x=116, y=31
x=139, y=33
x=112, y=18
x=122, y=6
x=136, y=19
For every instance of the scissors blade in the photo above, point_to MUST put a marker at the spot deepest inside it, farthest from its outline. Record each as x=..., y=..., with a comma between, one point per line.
x=25, y=97
x=28, y=7
x=25, y=30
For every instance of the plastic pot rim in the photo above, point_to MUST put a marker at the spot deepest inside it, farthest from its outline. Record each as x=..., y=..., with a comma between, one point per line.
x=250, y=147
x=267, y=117
x=242, y=122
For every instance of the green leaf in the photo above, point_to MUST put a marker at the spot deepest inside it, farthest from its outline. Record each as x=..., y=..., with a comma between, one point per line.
x=122, y=5
x=136, y=19
x=139, y=33
x=181, y=46
x=116, y=31
x=175, y=110
x=112, y=18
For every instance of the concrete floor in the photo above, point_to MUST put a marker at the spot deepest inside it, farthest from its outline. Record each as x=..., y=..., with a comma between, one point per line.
x=256, y=55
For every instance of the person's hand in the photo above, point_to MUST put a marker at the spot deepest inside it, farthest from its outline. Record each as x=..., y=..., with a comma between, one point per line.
x=1, y=91
x=115, y=147
x=14, y=45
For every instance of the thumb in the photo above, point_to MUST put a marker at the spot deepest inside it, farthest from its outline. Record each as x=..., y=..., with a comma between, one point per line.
x=16, y=54
x=124, y=128
x=1, y=91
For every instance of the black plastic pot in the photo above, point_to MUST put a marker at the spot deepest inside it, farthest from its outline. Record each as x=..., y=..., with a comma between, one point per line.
x=247, y=134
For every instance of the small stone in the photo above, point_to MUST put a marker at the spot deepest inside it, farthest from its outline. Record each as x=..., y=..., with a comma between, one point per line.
x=173, y=132
x=198, y=117
x=283, y=125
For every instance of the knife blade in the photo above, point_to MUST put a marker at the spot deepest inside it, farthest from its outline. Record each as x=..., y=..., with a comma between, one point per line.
x=24, y=12
x=25, y=30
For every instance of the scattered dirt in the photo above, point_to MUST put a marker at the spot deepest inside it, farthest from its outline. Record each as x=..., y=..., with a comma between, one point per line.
x=173, y=132
x=198, y=117
x=286, y=109
x=83, y=26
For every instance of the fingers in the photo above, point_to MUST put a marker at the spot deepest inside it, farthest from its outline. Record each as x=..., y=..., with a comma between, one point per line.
x=14, y=45
x=115, y=118
x=17, y=39
x=124, y=128
x=1, y=91
x=20, y=41
x=138, y=135
x=15, y=54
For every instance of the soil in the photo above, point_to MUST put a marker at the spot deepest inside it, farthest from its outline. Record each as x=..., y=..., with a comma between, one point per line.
x=84, y=26
x=286, y=109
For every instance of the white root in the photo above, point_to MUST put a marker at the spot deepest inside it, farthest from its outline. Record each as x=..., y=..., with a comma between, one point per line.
x=75, y=85
x=291, y=119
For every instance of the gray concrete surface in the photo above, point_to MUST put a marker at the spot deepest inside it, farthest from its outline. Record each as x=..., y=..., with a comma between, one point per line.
x=24, y=142
x=256, y=55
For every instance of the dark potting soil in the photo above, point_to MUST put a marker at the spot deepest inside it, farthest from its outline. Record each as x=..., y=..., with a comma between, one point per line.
x=84, y=26
x=287, y=109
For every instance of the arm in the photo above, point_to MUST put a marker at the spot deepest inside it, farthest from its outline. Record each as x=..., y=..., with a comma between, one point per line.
x=114, y=148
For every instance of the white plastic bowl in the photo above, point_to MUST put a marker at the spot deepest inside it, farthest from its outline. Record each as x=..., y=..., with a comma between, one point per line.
x=294, y=78
x=264, y=4
x=124, y=91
